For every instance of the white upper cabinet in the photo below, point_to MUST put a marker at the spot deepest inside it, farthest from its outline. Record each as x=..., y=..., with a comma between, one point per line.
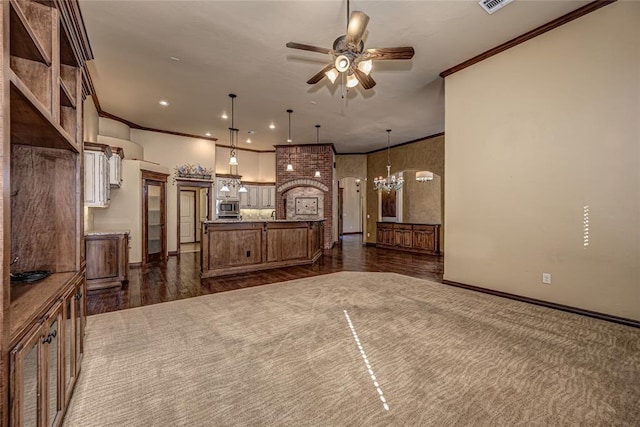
x=97, y=190
x=268, y=197
x=115, y=167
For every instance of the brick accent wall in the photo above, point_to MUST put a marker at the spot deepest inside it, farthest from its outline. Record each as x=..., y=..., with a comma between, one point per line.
x=301, y=181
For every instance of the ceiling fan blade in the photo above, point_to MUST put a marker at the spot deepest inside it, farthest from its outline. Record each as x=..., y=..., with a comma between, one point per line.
x=301, y=46
x=366, y=81
x=384, y=53
x=356, y=28
x=317, y=77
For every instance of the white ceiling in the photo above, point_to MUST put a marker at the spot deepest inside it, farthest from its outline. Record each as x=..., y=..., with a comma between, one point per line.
x=239, y=47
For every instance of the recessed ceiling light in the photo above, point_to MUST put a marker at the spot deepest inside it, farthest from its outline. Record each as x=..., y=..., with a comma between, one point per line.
x=173, y=58
x=272, y=126
x=164, y=103
x=248, y=140
x=251, y=132
x=207, y=134
x=224, y=116
x=313, y=102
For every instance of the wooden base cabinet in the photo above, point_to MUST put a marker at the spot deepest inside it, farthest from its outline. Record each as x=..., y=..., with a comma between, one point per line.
x=45, y=363
x=107, y=259
x=421, y=238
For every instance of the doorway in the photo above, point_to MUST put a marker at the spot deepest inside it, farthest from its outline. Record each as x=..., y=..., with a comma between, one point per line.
x=154, y=234
x=194, y=207
x=187, y=216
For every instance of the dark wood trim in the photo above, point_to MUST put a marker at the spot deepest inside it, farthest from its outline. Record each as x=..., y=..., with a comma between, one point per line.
x=567, y=308
x=154, y=176
x=325, y=144
x=228, y=175
x=264, y=184
x=135, y=265
x=564, y=19
x=353, y=232
x=253, y=150
x=174, y=253
x=435, y=135
x=133, y=125
x=370, y=244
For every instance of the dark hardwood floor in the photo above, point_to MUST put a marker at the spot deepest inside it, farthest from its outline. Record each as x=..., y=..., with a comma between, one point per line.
x=180, y=277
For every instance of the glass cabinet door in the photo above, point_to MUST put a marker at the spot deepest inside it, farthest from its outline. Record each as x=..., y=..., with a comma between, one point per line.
x=52, y=351
x=25, y=382
x=154, y=232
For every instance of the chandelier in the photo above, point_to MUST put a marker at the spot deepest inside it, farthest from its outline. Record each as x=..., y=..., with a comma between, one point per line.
x=233, y=156
x=390, y=182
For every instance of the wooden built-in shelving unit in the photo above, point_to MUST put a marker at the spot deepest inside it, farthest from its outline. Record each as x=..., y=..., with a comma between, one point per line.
x=44, y=51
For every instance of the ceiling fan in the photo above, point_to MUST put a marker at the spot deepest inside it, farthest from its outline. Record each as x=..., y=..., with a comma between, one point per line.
x=349, y=55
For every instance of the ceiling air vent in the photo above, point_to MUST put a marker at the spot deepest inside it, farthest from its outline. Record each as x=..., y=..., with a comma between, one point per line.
x=492, y=5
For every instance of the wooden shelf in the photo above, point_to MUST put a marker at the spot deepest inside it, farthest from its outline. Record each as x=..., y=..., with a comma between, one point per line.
x=25, y=42
x=31, y=123
x=66, y=98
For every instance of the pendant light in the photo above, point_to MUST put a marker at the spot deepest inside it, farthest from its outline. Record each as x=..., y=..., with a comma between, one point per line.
x=233, y=155
x=233, y=159
x=317, y=174
x=289, y=165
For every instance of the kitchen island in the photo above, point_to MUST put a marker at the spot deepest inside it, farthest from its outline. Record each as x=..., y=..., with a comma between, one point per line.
x=230, y=247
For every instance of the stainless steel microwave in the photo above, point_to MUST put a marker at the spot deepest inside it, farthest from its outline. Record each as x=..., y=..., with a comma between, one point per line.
x=228, y=208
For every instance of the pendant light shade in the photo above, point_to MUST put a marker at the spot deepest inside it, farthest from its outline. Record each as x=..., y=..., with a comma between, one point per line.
x=317, y=174
x=289, y=140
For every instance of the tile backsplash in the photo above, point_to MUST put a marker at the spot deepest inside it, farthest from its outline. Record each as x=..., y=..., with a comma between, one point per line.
x=248, y=214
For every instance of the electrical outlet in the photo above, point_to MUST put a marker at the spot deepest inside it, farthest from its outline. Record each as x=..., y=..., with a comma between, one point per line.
x=546, y=278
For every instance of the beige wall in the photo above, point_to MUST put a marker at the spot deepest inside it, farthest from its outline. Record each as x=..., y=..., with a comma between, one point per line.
x=427, y=154
x=114, y=128
x=171, y=151
x=125, y=209
x=90, y=121
x=421, y=201
x=534, y=135
x=253, y=166
x=131, y=150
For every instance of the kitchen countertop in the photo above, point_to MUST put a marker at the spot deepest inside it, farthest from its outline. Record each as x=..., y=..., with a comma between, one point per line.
x=224, y=221
x=105, y=232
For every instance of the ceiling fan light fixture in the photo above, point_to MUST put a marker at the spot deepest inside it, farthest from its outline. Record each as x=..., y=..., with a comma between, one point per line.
x=352, y=81
x=365, y=66
x=332, y=75
x=342, y=63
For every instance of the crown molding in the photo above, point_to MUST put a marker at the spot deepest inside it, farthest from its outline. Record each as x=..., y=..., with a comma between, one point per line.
x=564, y=19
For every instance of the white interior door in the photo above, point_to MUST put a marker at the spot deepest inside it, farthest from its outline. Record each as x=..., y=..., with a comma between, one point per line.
x=187, y=216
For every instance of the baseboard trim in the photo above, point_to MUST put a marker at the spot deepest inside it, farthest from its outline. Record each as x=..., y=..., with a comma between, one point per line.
x=135, y=265
x=370, y=244
x=173, y=253
x=351, y=233
x=567, y=308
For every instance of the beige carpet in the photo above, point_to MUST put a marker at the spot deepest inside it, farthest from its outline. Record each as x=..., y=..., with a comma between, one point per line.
x=287, y=354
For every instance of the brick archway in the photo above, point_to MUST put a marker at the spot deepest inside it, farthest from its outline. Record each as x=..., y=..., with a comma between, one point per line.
x=301, y=183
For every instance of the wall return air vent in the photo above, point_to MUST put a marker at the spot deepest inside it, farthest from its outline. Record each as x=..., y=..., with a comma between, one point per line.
x=492, y=5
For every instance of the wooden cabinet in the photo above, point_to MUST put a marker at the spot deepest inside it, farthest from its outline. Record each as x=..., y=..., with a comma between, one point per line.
x=385, y=235
x=403, y=235
x=268, y=197
x=45, y=49
x=97, y=188
x=421, y=238
x=115, y=167
x=107, y=257
x=45, y=363
x=237, y=247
